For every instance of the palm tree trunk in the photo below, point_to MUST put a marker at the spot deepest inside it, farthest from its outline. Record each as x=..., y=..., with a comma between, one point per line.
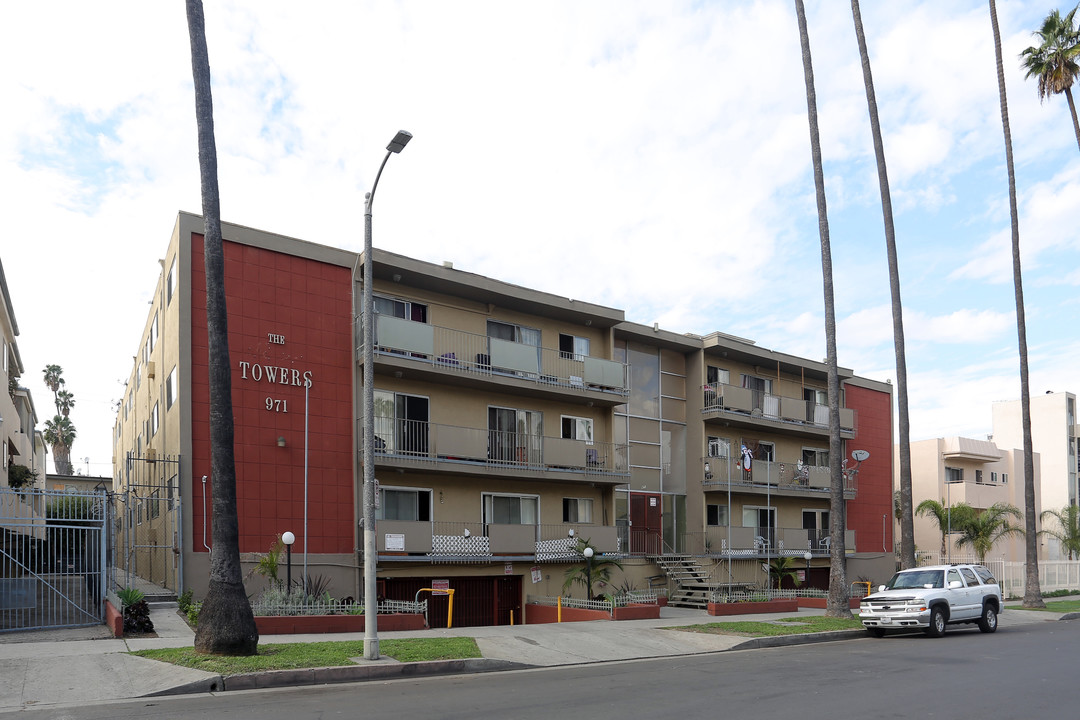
x=1032, y=591
x=1072, y=110
x=226, y=623
x=837, y=603
x=907, y=523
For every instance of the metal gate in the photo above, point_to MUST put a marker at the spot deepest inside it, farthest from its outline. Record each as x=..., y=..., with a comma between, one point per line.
x=53, y=558
x=148, y=524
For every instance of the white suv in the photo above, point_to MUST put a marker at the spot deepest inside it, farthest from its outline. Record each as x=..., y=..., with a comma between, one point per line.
x=929, y=598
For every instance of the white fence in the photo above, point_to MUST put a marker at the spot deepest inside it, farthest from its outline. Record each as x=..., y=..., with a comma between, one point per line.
x=1053, y=575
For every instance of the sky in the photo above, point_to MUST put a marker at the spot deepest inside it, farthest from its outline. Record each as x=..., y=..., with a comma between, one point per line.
x=652, y=157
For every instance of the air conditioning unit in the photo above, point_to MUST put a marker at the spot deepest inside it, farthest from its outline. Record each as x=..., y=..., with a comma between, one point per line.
x=150, y=369
x=151, y=454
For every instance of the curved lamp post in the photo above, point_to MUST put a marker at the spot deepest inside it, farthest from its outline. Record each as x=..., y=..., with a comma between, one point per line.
x=288, y=538
x=371, y=601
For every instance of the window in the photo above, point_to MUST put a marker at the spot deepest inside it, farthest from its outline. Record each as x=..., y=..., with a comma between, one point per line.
x=401, y=423
x=954, y=475
x=405, y=309
x=1004, y=478
x=577, y=510
x=513, y=333
x=170, y=283
x=514, y=435
x=952, y=576
x=758, y=384
x=985, y=575
x=993, y=477
x=404, y=504
x=716, y=515
x=815, y=457
x=577, y=428
x=511, y=509
x=155, y=504
x=765, y=451
x=153, y=421
x=138, y=375
x=717, y=376
x=978, y=477
x=170, y=389
x=719, y=447
x=969, y=576
x=151, y=340
x=816, y=524
x=572, y=347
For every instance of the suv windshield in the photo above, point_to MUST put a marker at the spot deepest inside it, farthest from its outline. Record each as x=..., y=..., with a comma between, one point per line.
x=916, y=579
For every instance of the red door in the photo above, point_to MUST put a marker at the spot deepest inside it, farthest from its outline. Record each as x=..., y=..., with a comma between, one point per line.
x=646, y=526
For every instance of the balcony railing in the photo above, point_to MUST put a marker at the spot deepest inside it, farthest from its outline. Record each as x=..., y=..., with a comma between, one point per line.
x=434, y=442
x=462, y=352
x=444, y=541
x=783, y=476
x=732, y=399
x=759, y=542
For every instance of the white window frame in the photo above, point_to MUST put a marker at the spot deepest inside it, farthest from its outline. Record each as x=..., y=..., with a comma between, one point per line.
x=579, y=510
x=580, y=424
x=487, y=507
x=579, y=347
x=819, y=455
x=716, y=445
x=722, y=514
x=419, y=492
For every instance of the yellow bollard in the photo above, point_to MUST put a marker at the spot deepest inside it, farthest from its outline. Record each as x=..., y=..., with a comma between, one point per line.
x=559, y=617
x=511, y=618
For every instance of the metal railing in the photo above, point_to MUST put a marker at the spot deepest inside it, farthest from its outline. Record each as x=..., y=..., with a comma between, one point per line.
x=464, y=352
x=721, y=595
x=607, y=604
x=722, y=398
x=438, y=443
x=753, y=542
x=277, y=604
x=782, y=475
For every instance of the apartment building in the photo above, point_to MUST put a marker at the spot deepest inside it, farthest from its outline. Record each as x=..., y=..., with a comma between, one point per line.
x=509, y=423
x=976, y=472
x=21, y=445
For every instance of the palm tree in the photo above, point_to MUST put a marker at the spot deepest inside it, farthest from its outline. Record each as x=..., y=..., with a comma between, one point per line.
x=1032, y=591
x=947, y=518
x=1053, y=61
x=226, y=623
x=589, y=570
x=838, y=598
x=54, y=379
x=783, y=566
x=60, y=434
x=64, y=402
x=907, y=524
x=1068, y=532
x=981, y=530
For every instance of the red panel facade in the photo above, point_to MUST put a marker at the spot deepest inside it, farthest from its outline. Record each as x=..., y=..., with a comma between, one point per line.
x=290, y=320
x=873, y=499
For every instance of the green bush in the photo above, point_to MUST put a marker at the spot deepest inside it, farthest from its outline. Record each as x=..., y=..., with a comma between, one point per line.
x=193, y=614
x=184, y=601
x=129, y=596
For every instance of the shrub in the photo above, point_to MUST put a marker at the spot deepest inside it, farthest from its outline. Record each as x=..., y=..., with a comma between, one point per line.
x=193, y=614
x=137, y=618
x=129, y=596
x=184, y=601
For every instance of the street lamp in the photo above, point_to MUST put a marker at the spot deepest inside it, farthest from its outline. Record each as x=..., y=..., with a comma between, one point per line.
x=288, y=538
x=808, y=556
x=371, y=603
x=588, y=553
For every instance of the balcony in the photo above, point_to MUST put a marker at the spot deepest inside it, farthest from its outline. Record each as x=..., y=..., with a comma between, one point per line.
x=443, y=355
x=757, y=409
x=461, y=450
x=792, y=479
x=423, y=541
x=760, y=542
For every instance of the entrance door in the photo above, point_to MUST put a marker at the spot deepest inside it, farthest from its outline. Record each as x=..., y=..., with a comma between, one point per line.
x=646, y=525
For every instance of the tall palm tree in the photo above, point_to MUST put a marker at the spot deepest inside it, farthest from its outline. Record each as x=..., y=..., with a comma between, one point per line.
x=907, y=524
x=54, y=378
x=60, y=434
x=1032, y=590
x=64, y=402
x=980, y=530
x=1068, y=530
x=838, y=598
x=947, y=518
x=226, y=623
x=1053, y=61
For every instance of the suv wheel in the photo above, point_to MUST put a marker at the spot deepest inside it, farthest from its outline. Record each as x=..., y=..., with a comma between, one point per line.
x=989, y=621
x=937, y=623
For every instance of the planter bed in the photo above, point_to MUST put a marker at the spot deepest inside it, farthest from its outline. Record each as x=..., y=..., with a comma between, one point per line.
x=539, y=614
x=315, y=624
x=754, y=608
x=819, y=603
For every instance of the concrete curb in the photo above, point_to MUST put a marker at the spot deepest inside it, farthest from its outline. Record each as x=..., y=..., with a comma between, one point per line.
x=804, y=639
x=1070, y=616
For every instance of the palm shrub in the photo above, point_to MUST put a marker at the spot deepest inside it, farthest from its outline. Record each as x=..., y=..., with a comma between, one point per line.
x=782, y=567
x=581, y=574
x=981, y=530
x=1068, y=530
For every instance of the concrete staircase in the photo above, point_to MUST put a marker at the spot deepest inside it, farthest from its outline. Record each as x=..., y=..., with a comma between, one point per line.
x=692, y=586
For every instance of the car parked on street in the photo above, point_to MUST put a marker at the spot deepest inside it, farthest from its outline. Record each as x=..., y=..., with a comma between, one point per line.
x=931, y=598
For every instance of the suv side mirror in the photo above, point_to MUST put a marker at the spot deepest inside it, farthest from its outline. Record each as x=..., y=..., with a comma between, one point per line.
x=955, y=585
x=881, y=588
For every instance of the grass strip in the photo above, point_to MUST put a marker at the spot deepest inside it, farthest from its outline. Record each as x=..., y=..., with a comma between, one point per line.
x=1060, y=606
x=781, y=626
x=290, y=656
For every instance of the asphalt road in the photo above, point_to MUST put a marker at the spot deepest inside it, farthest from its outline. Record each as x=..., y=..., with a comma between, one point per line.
x=1025, y=671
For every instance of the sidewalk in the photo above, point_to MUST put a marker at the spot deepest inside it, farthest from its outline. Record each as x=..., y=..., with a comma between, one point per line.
x=77, y=666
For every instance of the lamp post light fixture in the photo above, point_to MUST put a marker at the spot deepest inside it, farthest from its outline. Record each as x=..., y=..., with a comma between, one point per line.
x=371, y=609
x=288, y=538
x=588, y=553
x=808, y=556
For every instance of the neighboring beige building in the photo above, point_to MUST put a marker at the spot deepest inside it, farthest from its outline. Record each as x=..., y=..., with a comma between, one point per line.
x=1054, y=433
x=20, y=442
x=958, y=469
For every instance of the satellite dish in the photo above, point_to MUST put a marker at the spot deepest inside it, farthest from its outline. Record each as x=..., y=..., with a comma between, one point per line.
x=860, y=455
